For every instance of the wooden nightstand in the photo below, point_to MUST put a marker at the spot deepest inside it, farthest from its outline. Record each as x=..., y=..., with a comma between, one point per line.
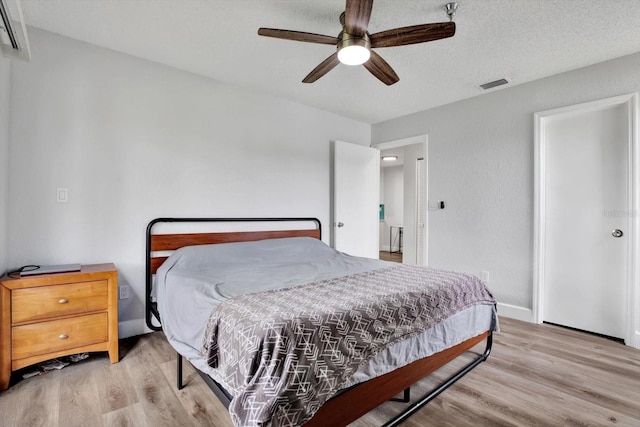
x=52, y=315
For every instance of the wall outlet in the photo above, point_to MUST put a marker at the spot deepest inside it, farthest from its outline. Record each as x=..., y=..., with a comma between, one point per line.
x=124, y=291
x=485, y=276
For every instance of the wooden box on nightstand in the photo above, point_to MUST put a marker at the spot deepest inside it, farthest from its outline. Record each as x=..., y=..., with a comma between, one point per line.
x=51, y=315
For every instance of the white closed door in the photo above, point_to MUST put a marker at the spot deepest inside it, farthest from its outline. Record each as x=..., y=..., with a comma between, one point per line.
x=587, y=209
x=356, y=198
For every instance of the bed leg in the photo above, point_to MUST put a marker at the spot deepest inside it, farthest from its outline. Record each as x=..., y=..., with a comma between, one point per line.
x=406, y=396
x=179, y=371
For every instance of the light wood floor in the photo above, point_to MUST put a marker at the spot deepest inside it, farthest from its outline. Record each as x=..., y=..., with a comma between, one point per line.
x=393, y=256
x=537, y=375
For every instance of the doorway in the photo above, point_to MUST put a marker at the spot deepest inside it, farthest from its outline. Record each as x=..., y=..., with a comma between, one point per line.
x=586, y=274
x=392, y=204
x=403, y=231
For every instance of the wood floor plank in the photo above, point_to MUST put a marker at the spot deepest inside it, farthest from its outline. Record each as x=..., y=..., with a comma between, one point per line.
x=162, y=352
x=159, y=403
x=394, y=257
x=129, y=416
x=550, y=404
x=78, y=396
x=196, y=397
x=537, y=375
x=32, y=402
x=594, y=386
x=114, y=387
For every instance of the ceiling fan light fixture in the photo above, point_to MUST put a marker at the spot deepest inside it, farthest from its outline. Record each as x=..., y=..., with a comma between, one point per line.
x=353, y=55
x=352, y=50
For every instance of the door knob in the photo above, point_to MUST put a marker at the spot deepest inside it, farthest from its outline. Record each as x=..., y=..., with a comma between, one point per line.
x=340, y=225
x=617, y=233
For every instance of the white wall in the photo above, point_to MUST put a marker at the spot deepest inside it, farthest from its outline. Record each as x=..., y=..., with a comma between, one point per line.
x=4, y=159
x=133, y=140
x=481, y=165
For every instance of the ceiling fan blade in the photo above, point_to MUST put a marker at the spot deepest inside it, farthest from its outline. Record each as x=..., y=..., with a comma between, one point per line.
x=299, y=36
x=413, y=34
x=381, y=69
x=356, y=17
x=322, y=69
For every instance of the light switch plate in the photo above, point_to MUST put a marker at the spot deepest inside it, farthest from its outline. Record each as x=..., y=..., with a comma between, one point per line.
x=62, y=195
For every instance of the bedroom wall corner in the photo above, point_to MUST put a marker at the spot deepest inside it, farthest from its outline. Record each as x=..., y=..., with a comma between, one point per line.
x=5, y=68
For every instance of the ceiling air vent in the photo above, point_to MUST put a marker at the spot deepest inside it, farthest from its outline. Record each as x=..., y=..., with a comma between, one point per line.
x=14, y=42
x=493, y=84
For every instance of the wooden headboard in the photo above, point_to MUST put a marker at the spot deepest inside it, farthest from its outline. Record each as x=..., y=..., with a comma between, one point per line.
x=169, y=242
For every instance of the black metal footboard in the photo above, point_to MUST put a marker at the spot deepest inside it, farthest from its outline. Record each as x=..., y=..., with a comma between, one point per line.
x=416, y=406
x=225, y=397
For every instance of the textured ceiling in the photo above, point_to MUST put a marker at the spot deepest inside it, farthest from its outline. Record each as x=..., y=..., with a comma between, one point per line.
x=521, y=40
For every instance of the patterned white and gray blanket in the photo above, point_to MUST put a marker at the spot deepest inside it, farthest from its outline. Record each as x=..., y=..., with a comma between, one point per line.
x=283, y=353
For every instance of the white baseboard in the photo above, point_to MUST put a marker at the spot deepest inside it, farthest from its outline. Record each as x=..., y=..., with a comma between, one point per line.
x=635, y=342
x=515, y=312
x=130, y=328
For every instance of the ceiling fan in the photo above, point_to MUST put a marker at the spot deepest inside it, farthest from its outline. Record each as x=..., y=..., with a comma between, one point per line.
x=354, y=43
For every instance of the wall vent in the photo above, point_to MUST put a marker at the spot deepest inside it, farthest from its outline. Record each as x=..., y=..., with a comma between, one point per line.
x=493, y=84
x=14, y=42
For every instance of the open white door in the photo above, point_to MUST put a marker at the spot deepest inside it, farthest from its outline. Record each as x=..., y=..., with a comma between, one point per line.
x=356, y=198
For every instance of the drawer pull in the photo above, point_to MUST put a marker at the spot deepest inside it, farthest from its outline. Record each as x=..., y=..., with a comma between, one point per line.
x=63, y=301
x=63, y=336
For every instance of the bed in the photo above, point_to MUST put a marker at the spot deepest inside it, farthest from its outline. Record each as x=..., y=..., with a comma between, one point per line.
x=287, y=331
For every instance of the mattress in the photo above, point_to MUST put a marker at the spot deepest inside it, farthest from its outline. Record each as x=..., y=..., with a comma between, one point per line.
x=196, y=279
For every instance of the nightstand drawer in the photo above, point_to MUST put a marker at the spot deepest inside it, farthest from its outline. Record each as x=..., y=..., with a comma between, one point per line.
x=46, y=337
x=45, y=302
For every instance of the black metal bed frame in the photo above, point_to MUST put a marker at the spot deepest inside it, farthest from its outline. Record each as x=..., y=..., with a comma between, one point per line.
x=435, y=392
x=224, y=396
